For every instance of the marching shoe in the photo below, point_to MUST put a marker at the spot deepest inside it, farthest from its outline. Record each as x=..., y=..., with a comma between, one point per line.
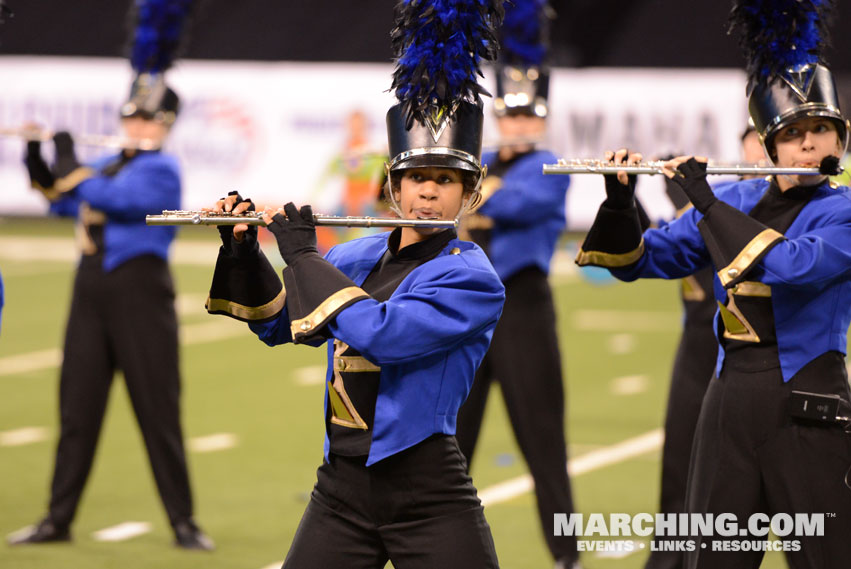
x=188, y=535
x=44, y=532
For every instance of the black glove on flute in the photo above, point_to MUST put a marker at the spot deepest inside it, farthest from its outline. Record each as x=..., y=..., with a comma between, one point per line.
x=295, y=233
x=248, y=245
x=40, y=175
x=691, y=177
x=619, y=196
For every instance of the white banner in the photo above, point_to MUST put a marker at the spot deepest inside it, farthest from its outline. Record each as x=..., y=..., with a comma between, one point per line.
x=279, y=131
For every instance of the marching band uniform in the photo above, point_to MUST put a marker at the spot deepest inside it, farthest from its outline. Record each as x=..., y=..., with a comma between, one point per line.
x=782, y=264
x=122, y=314
x=518, y=224
x=405, y=330
x=526, y=216
x=694, y=365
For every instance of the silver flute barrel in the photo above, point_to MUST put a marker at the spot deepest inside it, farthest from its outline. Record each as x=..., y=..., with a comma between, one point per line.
x=653, y=168
x=102, y=140
x=184, y=217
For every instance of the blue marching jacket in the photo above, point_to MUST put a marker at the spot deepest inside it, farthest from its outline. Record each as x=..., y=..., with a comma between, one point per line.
x=809, y=271
x=148, y=184
x=528, y=214
x=428, y=338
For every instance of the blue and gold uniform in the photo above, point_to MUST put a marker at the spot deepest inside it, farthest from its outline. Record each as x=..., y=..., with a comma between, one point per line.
x=518, y=225
x=427, y=337
x=782, y=263
x=405, y=331
x=122, y=317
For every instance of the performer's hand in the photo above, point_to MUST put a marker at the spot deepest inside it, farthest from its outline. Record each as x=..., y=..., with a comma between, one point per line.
x=40, y=175
x=238, y=239
x=295, y=233
x=66, y=158
x=690, y=174
x=620, y=188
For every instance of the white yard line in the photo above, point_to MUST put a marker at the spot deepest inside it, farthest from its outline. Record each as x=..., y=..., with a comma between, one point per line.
x=629, y=385
x=650, y=441
x=30, y=361
x=122, y=531
x=213, y=443
x=310, y=375
x=23, y=436
x=34, y=248
x=190, y=334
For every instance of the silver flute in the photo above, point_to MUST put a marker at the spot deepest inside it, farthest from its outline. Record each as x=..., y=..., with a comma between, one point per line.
x=652, y=168
x=185, y=217
x=102, y=140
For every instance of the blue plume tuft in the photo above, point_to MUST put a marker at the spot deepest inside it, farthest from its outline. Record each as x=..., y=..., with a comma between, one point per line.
x=439, y=45
x=524, y=31
x=779, y=34
x=159, y=28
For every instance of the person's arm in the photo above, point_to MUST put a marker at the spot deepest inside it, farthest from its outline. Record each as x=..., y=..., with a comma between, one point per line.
x=433, y=317
x=735, y=241
x=245, y=285
x=527, y=197
x=149, y=188
x=617, y=240
x=815, y=258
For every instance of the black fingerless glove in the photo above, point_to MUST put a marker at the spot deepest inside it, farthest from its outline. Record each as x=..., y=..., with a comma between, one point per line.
x=691, y=177
x=248, y=245
x=619, y=196
x=40, y=176
x=66, y=157
x=295, y=233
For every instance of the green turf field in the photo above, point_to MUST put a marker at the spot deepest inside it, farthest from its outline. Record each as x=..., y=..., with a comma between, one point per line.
x=617, y=346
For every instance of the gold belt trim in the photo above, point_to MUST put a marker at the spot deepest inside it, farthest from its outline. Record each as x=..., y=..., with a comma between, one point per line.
x=354, y=364
x=752, y=288
x=343, y=411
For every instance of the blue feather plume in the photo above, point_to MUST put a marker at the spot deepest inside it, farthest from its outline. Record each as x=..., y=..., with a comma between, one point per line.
x=439, y=45
x=524, y=31
x=780, y=34
x=159, y=29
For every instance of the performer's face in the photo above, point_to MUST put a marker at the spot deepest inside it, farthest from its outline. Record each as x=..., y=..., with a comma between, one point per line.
x=431, y=193
x=139, y=128
x=521, y=128
x=803, y=144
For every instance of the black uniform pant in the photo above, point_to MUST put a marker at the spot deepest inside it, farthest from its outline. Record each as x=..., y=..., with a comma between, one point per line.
x=751, y=457
x=418, y=509
x=694, y=366
x=524, y=358
x=123, y=319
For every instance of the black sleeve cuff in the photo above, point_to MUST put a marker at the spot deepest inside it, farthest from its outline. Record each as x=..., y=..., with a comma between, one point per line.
x=246, y=289
x=614, y=240
x=316, y=292
x=736, y=242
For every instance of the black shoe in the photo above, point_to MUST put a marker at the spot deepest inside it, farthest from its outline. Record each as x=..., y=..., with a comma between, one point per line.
x=188, y=535
x=45, y=532
x=566, y=563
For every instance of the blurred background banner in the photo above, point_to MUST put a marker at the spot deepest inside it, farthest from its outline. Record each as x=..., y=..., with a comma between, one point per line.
x=284, y=131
